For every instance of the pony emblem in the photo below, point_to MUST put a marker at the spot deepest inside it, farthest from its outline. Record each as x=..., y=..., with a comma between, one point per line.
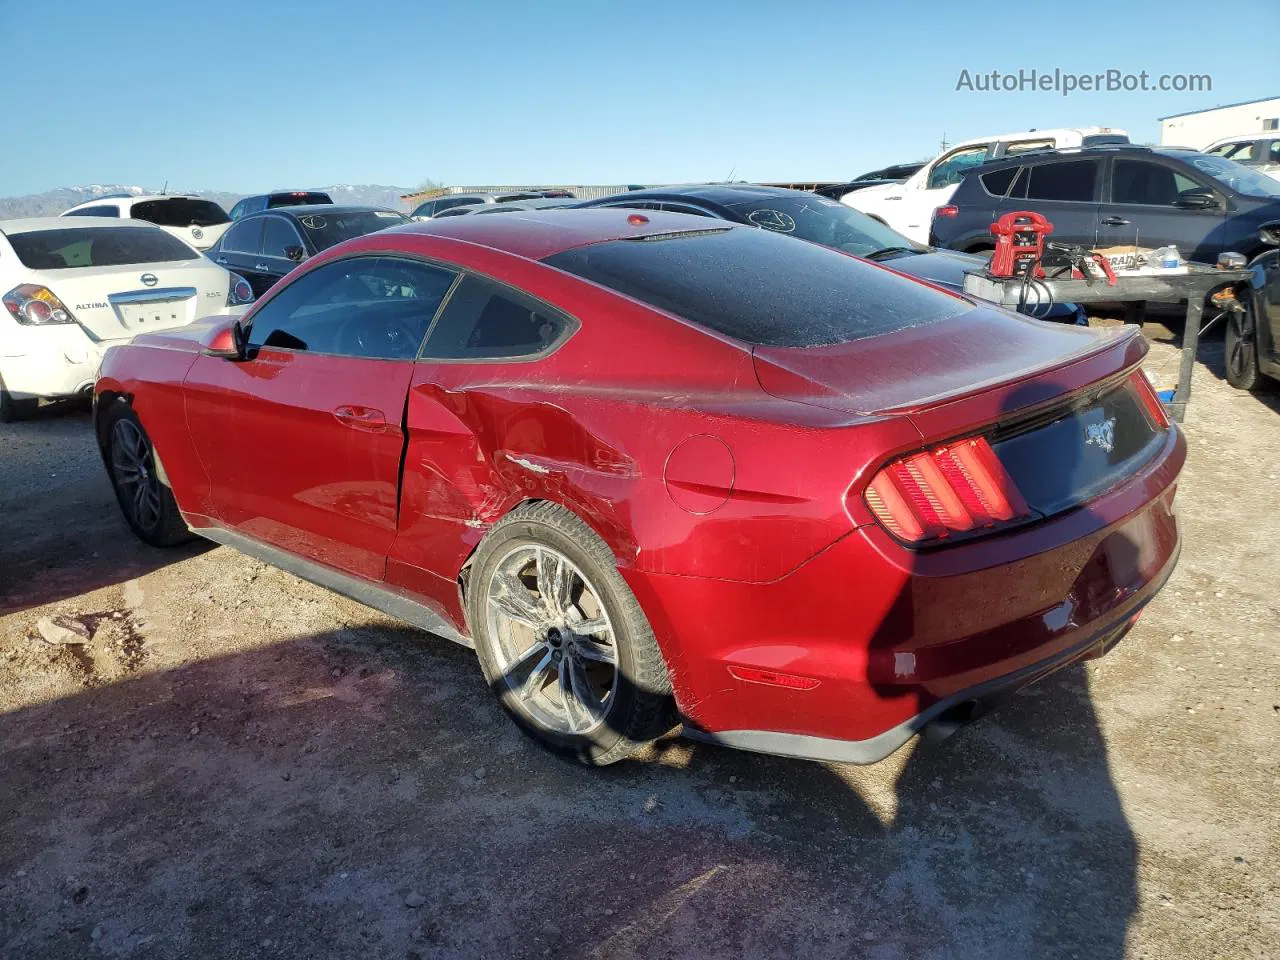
x=1101, y=434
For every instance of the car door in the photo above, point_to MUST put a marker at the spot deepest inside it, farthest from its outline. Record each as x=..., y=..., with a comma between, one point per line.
x=1142, y=209
x=302, y=441
x=487, y=334
x=279, y=235
x=1065, y=192
x=239, y=250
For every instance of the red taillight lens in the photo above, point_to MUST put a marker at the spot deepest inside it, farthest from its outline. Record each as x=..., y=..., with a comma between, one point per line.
x=947, y=211
x=1150, y=400
x=956, y=488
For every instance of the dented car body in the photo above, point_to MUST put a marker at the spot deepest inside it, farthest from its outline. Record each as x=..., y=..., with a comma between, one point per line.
x=841, y=505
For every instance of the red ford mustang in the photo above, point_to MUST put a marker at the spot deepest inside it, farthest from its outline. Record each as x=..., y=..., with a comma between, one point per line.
x=659, y=470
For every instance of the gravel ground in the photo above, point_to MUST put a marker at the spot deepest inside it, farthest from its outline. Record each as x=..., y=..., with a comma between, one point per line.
x=239, y=764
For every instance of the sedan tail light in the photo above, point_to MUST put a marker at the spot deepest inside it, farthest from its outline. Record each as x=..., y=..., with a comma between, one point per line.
x=956, y=488
x=239, y=292
x=35, y=306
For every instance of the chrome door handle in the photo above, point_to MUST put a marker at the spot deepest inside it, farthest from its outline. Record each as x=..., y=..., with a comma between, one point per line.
x=221, y=260
x=1115, y=221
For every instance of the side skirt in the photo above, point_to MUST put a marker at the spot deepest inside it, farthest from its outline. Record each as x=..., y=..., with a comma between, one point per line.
x=362, y=591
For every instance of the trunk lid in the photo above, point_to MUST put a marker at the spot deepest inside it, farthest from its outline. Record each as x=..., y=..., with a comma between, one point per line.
x=117, y=303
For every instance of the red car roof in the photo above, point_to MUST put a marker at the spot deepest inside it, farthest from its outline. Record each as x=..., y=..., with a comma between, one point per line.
x=540, y=233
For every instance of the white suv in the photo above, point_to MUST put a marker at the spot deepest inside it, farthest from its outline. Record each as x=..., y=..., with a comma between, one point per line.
x=195, y=221
x=1258, y=150
x=908, y=207
x=70, y=288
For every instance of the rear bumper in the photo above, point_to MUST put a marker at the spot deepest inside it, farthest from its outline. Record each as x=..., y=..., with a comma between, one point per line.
x=887, y=640
x=49, y=362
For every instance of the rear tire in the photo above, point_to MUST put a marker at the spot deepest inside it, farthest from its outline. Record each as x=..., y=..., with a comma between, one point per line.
x=139, y=480
x=12, y=409
x=549, y=612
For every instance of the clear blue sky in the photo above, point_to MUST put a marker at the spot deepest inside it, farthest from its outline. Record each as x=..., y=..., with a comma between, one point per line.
x=243, y=96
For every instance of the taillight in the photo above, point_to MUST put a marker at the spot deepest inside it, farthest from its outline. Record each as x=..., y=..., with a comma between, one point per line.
x=238, y=290
x=36, y=306
x=1150, y=400
x=957, y=488
x=950, y=210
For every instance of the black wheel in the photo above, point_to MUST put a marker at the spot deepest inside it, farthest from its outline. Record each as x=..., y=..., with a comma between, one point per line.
x=1241, y=351
x=139, y=481
x=562, y=640
x=11, y=408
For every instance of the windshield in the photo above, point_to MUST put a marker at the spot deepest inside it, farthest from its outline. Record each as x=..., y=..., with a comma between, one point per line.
x=97, y=247
x=1237, y=176
x=180, y=212
x=326, y=229
x=823, y=221
x=759, y=288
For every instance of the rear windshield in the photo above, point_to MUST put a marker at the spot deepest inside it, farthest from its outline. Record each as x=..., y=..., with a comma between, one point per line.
x=97, y=247
x=296, y=199
x=180, y=212
x=326, y=229
x=761, y=288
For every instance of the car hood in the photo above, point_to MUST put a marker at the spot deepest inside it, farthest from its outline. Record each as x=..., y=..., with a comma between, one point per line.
x=921, y=366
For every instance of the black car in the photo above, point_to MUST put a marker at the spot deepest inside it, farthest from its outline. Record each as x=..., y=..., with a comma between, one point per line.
x=284, y=198
x=1118, y=196
x=263, y=247
x=819, y=220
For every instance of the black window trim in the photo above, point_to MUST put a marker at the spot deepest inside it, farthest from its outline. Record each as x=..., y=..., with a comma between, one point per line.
x=1219, y=191
x=572, y=323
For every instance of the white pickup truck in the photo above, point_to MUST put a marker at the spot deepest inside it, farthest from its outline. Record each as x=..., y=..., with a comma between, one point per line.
x=908, y=207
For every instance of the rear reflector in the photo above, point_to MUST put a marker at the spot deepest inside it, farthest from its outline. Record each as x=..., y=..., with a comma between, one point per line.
x=957, y=488
x=773, y=678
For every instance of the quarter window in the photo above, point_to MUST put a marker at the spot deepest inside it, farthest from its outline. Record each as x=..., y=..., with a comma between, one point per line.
x=1137, y=181
x=1072, y=180
x=487, y=322
x=952, y=168
x=101, y=210
x=997, y=182
x=368, y=307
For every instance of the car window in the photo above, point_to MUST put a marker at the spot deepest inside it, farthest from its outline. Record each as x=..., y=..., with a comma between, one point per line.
x=424, y=209
x=1273, y=153
x=97, y=247
x=1069, y=180
x=297, y=198
x=179, y=212
x=484, y=321
x=997, y=182
x=278, y=233
x=759, y=287
x=99, y=210
x=1240, y=150
x=1247, y=180
x=243, y=236
x=1143, y=182
x=951, y=169
x=368, y=307
x=239, y=210
x=1027, y=146
x=448, y=203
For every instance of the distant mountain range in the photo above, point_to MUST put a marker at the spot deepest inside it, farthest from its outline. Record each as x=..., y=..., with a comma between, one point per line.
x=53, y=202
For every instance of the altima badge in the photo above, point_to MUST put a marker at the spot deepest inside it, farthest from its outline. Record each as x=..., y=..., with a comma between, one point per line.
x=1101, y=434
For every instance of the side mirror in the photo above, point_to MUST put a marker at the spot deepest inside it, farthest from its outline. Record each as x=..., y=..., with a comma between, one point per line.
x=295, y=253
x=1269, y=233
x=227, y=339
x=1197, y=198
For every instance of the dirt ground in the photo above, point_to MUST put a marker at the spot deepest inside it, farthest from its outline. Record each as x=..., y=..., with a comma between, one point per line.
x=240, y=764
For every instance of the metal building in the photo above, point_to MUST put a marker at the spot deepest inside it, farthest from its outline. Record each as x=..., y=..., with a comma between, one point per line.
x=1199, y=128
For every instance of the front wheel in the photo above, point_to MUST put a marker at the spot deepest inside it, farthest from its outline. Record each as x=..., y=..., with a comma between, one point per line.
x=562, y=640
x=1240, y=343
x=139, y=481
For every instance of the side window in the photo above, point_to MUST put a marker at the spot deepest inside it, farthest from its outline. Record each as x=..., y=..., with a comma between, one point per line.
x=997, y=182
x=1019, y=147
x=951, y=169
x=368, y=307
x=448, y=203
x=487, y=322
x=424, y=209
x=102, y=210
x=238, y=211
x=244, y=236
x=1240, y=151
x=1272, y=155
x=1070, y=180
x=277, y=235
x=1150, y=184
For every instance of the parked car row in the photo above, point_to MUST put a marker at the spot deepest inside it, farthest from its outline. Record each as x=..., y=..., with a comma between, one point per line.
x=634, y=457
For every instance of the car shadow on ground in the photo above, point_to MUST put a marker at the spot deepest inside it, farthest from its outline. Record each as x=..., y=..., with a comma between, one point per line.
x=1211, y=355
x=358, y=792
x=61, y=530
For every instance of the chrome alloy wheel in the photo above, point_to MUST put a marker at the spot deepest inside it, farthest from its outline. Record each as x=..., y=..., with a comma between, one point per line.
x=135, y=473
x=554, y=641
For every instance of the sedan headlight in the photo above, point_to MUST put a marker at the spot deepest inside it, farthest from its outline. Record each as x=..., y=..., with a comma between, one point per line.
x=238, y=291
x=35, y=306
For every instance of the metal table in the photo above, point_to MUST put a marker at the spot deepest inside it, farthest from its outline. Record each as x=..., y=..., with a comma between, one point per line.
x=1134, y=291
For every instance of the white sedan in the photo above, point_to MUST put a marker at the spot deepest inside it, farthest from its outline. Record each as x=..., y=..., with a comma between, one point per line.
x=73, y=287
x=190, y=219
